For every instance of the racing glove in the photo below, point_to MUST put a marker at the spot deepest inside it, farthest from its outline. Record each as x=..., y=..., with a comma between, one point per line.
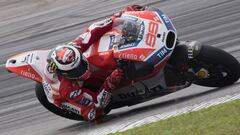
x=108, y=86
x=103, y=99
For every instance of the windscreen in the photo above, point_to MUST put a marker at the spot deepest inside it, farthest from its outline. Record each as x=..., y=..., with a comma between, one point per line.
x=130, y=30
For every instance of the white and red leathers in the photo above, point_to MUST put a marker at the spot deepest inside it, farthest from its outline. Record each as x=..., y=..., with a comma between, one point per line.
x=70, y=94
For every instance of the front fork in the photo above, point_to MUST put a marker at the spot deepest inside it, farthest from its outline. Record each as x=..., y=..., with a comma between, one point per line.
x=178, y=71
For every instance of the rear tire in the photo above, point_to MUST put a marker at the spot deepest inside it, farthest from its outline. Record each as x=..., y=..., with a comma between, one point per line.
x=52, y=108
x=223, y=68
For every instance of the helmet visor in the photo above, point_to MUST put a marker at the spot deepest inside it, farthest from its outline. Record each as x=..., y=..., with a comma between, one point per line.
x=75, y=73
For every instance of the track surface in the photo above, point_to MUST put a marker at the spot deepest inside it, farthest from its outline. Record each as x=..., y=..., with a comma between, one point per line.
x=35, y=24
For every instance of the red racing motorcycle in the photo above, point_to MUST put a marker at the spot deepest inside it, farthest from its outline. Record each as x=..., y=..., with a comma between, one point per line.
x=156, y=62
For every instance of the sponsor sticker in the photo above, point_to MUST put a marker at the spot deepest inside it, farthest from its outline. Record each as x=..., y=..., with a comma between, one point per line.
x=27, y=59
x=28, y=74
x=158, y=56
x=71, y=108
x=75, y=93
x=166, y=20
x=129, y=45
x=47, y=90
x=92, y=114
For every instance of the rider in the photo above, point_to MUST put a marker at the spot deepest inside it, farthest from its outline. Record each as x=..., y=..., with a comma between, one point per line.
x=67, y=69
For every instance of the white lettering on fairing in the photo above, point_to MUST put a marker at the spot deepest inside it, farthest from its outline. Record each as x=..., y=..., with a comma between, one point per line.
x=27, y=74
x=162, y=53
x=128, y=56
x=71, y=108
x=166, y=19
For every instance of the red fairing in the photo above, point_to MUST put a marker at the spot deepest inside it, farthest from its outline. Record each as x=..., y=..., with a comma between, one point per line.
x=102, y=60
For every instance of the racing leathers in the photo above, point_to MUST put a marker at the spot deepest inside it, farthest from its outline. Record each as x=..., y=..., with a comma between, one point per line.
x=70, y=94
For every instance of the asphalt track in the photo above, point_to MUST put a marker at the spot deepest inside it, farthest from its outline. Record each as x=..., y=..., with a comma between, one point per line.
x=35, y=24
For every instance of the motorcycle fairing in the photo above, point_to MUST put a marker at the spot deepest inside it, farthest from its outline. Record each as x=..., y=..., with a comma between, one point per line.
x=152, y=49
x=146, y=15
x=28, y=64
x=141, y=90
x=160, y=52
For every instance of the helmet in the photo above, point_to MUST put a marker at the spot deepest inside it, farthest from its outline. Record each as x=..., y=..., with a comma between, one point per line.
x=67, y=61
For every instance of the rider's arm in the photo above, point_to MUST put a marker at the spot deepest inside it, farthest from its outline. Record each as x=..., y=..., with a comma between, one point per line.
x=109, y=85
x=80, y=100
x=92, y=111
x=93, y=33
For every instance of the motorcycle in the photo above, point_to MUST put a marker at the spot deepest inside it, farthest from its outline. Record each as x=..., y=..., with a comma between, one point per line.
x=156, y=62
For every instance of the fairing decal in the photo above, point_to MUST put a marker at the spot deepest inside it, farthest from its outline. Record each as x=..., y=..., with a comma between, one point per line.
x=148, y=15
x=159, y=55
x=136, y=54
x=166, y=20
x=26, y=71
x=29, y=64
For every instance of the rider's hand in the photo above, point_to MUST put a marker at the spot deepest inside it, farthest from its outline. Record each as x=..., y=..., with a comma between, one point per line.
x=103, y=99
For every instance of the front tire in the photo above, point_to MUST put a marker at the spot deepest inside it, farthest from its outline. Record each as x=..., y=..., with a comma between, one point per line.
x=223, y=69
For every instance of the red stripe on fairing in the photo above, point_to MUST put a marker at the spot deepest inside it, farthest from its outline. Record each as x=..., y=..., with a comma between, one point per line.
x=26, y=71
x=149, y=15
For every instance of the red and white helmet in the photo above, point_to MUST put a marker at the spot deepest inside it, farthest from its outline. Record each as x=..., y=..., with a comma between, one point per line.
x=67, y=61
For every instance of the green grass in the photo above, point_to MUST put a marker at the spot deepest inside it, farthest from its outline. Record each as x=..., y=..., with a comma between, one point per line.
x=223, y=119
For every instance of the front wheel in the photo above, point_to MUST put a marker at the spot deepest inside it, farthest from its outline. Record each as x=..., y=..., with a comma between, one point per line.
x=214, y=67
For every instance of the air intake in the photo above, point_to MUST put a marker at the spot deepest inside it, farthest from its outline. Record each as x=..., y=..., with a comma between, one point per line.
x=170, y=42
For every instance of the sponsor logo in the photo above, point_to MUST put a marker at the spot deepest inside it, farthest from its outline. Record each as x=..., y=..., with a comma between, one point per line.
x=128, y=56
x=71, y=108
x=142, y=57
x=47, y=89
x=147, y=91
x=191, y=48
x=84, y=101
x=27, y=74
x=92, y=114
x=75, y=93
x=159, y=56
x=28, y=58
x=162, y=53
x=124, y=46
x=165, y=18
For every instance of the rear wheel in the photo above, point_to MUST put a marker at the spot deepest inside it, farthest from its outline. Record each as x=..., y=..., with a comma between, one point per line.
x=214, y=67
x=52, y=108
